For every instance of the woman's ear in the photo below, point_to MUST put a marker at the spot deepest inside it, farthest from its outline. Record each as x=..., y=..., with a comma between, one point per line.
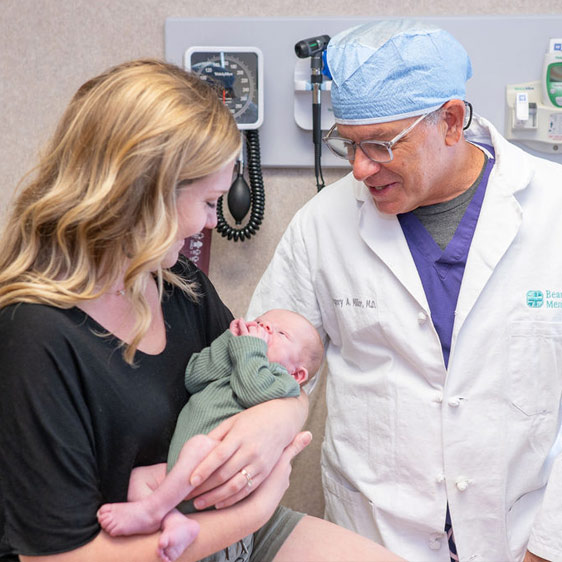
x=453, y=115
x=300, y=374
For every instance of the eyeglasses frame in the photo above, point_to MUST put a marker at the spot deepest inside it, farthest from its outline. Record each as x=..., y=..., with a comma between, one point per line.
x=387, y=144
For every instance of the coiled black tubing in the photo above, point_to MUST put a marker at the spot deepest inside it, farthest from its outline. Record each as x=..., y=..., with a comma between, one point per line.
x=257, y=196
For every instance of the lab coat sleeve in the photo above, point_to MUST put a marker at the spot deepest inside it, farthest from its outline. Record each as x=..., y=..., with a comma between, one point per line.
x=288, y=279
x=546, y=535
x=254, y=379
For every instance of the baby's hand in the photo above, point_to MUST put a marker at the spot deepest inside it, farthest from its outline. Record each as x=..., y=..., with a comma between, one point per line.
x=238, y=327
x=254, y=329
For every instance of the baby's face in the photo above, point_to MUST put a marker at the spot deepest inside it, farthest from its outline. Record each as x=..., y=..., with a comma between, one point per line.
x=288, y=334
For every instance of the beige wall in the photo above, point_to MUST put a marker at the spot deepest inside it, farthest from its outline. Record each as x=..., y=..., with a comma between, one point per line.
x=49, y=47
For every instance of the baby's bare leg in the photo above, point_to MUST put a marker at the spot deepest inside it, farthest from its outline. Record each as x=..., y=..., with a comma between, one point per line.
x=144, y=480
x=145, y=515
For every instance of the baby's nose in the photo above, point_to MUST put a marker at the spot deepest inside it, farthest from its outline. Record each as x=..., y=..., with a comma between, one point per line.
x=266, y=326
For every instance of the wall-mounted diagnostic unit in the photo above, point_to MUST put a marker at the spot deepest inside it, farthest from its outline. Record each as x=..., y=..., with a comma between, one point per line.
x=534, y=109
x=517, y=42
x=236, y=74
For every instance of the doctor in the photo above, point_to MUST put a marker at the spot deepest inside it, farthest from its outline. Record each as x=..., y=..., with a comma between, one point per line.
x=434, y=271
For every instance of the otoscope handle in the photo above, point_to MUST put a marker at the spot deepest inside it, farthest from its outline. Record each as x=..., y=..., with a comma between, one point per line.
x=316, y=124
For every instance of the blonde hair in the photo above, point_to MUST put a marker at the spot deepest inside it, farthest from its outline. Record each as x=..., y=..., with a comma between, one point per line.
x=104, y=193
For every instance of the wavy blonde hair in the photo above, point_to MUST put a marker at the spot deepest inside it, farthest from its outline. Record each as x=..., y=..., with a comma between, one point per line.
x=104, y=192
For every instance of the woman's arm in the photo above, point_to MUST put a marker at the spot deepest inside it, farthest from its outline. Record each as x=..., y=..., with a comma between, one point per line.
x=219, y=528
x=252, y=440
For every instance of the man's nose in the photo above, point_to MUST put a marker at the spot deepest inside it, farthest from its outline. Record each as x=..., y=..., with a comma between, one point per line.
x=363, y=167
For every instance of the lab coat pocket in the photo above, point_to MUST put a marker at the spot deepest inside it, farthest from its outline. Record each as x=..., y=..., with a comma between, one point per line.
x=535, y=361
x=348, y=508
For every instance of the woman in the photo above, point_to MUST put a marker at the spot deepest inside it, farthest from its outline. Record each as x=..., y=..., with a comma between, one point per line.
x=98, y=319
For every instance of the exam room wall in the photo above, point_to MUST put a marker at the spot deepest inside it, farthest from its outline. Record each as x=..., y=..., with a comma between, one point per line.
x=48, y=48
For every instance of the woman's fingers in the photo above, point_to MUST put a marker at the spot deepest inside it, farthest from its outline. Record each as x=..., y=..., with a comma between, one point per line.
x=279, y=476
x=241, y=443
x=299, y=443
x=253, y=438
x=246, y=481
x=226, y=480
x=243, y=483
x=218, y=456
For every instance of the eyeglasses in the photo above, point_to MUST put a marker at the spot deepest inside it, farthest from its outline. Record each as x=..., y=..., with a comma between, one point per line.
x=377, y=151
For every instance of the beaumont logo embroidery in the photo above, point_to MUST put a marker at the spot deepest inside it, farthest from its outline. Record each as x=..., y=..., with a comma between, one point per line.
x=547, y=298
x=535, y=299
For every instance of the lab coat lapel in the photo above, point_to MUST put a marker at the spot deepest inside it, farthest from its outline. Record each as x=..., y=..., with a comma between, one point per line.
x=383, y=234
x=498, y=224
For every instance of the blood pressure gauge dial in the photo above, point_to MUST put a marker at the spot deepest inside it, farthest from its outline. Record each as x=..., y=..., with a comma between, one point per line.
x=236, y=73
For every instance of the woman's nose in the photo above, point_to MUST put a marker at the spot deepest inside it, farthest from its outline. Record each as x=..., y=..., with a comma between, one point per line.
x=363, y=167
x=211, y=221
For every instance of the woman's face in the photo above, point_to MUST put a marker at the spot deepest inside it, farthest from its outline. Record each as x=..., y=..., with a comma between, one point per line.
x=196, y=204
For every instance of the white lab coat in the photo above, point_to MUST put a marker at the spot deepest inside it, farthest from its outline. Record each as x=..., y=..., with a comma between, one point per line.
x=404, y=436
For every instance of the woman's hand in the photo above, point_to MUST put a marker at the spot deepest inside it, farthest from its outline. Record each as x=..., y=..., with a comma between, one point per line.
x=251, y=444
x=267, y=498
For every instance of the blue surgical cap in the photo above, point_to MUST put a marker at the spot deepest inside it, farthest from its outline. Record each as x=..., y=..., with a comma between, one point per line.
x=390, y=70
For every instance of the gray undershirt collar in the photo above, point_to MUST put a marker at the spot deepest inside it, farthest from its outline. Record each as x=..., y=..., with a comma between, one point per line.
x=442, y=219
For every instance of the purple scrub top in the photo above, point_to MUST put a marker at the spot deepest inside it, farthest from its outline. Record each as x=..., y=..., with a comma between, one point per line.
x=441, y=271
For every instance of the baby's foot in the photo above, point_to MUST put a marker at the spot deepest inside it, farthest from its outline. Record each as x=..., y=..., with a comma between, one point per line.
x=127, y=519
x=178, y=532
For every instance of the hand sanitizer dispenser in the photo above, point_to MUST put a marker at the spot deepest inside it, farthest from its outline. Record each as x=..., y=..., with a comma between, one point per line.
x=534, y=109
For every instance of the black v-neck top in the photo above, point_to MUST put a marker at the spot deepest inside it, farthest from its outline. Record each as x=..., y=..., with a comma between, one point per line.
x=76, y=418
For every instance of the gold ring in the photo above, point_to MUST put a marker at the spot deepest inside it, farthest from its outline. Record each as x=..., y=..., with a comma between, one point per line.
x=249, y=482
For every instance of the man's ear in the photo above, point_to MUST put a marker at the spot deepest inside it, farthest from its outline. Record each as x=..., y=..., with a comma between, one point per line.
x=300, y=374
x=453, y=115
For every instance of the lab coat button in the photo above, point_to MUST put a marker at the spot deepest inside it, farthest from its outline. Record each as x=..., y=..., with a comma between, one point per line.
x=434, y=543
x=422, y=317
x=440, y=478
x=438, y=398
x=454, y=402
x=462, y=484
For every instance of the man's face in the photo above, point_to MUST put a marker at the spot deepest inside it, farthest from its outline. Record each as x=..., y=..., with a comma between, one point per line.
x=410, y=180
